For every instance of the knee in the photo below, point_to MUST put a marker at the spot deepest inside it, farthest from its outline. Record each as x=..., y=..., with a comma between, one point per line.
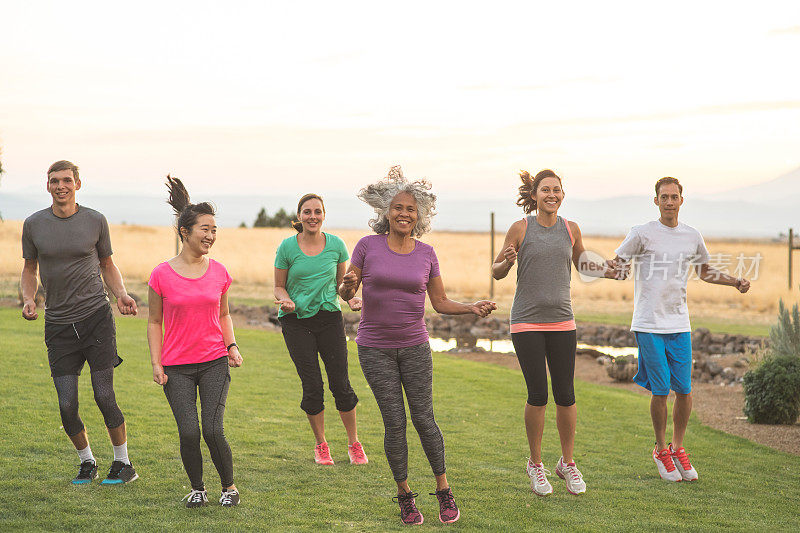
x=564, y=397
x=312, y=405
x=189, y=435
x=424, y=422
x=68, y=407
x=105, y=400
x=537, y=399
x=212, y=432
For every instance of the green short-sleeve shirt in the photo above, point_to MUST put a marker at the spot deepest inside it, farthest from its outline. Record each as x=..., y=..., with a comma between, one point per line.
x=311, y=280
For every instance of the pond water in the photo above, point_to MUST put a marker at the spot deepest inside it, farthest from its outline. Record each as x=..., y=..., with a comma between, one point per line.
x=505, y=346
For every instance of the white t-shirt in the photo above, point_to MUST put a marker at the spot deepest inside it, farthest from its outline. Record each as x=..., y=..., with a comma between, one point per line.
x=663, y=257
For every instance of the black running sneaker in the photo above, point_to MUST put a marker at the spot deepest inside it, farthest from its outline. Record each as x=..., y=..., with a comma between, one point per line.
x=196, y=498
x=120, y=473
x=229, y=498
x=86, y=474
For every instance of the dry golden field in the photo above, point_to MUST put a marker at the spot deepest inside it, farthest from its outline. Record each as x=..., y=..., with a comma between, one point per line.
x=464, y=257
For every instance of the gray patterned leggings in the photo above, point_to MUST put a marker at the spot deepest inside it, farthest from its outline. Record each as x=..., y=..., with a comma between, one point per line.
x=388, y=372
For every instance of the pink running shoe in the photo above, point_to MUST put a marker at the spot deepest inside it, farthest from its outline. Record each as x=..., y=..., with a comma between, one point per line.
x=322, y=454
x=409, y=514
x=356, y=453
x=448, y=510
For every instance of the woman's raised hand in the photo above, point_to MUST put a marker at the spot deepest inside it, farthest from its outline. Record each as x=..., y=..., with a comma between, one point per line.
x=510, y=255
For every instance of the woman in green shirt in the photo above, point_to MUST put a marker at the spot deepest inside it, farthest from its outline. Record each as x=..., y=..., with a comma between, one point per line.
x=308, y=268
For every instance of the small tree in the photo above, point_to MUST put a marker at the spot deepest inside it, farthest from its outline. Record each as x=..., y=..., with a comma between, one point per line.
x=281, y=219
x=262, y=220
x=784, y=337
x=242, y=225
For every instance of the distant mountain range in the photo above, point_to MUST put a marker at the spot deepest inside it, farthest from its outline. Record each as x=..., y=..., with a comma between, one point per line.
x=764, y=210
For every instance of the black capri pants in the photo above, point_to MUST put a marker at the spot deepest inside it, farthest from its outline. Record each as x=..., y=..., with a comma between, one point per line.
x=321, y=334
x=558, y=349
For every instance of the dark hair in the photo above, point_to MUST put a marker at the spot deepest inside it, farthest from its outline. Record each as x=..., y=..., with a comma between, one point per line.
x=185, y=212
x=664, y=181
x=296, y=224
x=527, y=191
x=63, y=165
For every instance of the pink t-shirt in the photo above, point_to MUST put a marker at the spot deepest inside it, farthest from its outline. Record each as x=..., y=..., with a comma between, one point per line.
x=192, y=333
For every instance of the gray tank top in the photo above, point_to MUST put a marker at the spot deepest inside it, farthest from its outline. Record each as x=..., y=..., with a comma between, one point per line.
x=544, y=266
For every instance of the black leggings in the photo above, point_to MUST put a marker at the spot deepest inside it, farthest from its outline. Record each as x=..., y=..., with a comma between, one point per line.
x=212, y=379
x=322, y=333
x=103, y=387
x=558, y=348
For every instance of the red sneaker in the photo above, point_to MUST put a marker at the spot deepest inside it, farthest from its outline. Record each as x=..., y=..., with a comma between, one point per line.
x=665, y=465
x=409, y=514
x=448, y=510
x=322, y=454
x=356, y=453
x=682, y=464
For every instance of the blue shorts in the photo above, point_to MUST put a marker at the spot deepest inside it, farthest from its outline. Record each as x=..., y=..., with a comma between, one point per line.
x=665, y=362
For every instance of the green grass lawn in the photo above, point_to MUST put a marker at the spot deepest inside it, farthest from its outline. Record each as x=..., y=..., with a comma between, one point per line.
x=743, y=486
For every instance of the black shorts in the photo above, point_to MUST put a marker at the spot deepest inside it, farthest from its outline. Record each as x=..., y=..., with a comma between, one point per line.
x=93, y=339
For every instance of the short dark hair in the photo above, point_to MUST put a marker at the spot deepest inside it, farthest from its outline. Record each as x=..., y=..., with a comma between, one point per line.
x=664, y=181
x=63, y=165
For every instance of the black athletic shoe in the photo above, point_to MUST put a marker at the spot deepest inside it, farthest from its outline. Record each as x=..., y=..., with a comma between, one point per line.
x=86, y=474
x=196, y=498
x=229, y=498
x=120, y=473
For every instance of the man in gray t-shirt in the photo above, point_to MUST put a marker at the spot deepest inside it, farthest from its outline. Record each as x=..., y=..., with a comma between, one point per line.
x=664, y=251
x=70, y=246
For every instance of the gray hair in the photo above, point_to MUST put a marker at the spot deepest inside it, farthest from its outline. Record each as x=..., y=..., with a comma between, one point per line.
x=379, y=197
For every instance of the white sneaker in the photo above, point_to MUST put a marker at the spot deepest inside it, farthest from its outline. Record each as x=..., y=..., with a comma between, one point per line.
x=665, y=464
x=538, y=474
x=682, y=464
x=570, y=473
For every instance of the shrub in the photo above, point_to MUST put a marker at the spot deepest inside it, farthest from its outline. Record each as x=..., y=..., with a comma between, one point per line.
x=772, y=391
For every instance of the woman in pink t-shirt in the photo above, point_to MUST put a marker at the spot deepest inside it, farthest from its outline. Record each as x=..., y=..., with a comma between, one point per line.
x=190, y=334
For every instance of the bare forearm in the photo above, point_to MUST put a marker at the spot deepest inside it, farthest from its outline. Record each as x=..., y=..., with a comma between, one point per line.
x=718, y=278
x=447, y=306
x=154, y=342
x=226, y=323
x=113, y=278
x=501, y=269
x=281, y=293
x=29, y=284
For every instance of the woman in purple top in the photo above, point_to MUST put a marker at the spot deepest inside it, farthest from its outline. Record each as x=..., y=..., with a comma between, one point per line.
x=397, y=271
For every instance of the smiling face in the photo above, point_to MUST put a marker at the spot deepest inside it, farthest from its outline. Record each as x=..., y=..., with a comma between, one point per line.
x=62, y=185
x=402, y=214
x=200, y=238
x=311, y=215
x=669, y=200
x=549, y=195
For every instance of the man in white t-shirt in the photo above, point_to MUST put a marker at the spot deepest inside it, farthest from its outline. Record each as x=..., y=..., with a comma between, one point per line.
x=663, y=252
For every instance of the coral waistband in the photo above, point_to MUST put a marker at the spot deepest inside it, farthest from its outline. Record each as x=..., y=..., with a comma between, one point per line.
x=567, y=325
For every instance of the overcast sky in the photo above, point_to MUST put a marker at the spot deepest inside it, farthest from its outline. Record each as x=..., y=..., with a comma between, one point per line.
x=298, y=96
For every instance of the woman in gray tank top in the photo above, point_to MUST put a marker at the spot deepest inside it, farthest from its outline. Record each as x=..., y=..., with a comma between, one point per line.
x=542, y=324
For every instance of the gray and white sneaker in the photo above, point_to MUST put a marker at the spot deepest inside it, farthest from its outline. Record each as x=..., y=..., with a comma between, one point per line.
x=538, y=474
x=229, y=498
x=570, y=473
x=196, y=498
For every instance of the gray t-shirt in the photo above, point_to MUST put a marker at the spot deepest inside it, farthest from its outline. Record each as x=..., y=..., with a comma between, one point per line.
x=68, y=251
x=662, y=260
